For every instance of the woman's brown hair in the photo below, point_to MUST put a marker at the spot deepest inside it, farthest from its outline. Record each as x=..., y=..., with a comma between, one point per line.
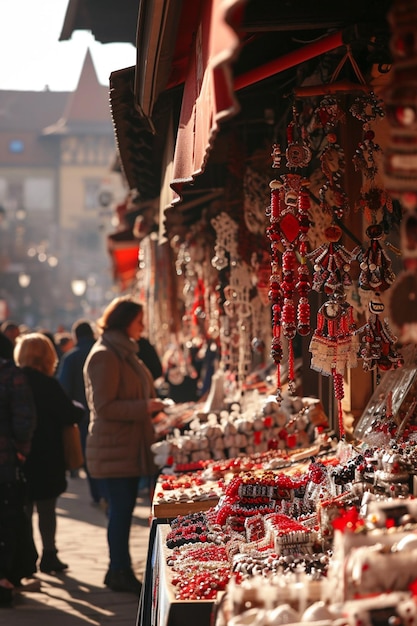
x=119, y=314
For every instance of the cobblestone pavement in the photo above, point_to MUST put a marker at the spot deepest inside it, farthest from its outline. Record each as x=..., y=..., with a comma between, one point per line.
x=78, y=597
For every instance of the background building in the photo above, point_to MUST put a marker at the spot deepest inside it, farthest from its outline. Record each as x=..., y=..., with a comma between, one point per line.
x=57, y=196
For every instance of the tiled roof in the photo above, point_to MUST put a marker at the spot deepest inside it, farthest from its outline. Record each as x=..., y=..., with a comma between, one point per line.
x=30, y=111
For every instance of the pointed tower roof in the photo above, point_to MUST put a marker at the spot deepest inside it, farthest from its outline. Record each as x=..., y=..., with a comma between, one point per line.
x=87, y=108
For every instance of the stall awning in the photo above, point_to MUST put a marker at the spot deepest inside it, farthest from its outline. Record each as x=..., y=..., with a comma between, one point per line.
x=208, y=97
x=107, y=20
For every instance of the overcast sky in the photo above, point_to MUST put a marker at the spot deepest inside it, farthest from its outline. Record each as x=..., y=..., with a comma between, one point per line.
x=31, y=57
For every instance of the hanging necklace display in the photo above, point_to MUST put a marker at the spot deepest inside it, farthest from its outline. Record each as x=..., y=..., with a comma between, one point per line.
x=223, y=227
x=289, y=225
x=378, y=351
x=333, y=198
x=373, y=198
x=288, y=231
x=236, y=305
x=298, y=152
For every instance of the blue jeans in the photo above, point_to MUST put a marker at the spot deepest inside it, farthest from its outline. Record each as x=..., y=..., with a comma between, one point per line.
x=122, y=493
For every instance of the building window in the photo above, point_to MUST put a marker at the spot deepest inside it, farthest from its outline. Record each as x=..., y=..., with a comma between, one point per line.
x=38, y=194
x=16, y=146
x=92, y=188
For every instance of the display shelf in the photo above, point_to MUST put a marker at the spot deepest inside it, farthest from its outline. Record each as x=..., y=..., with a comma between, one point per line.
x=166, y=609
x=170, y=510
x=399, y=389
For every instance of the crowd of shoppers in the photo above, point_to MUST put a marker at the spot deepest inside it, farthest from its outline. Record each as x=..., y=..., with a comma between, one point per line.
x=101, y=383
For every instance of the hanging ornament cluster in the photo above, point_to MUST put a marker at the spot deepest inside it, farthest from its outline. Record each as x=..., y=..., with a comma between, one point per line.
x=378, y=349
x=378, y=346
x=334, y=345
x=333, y=198
x=290, y=280
x=373, y=200
x=375, y=265
x=331, y=263
x=236, y=331
x=298, y=151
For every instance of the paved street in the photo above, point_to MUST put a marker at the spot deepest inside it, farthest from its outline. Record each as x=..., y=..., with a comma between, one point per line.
x=78, y=597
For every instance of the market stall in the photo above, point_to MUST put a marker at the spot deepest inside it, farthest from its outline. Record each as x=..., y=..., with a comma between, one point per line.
x=305, y=263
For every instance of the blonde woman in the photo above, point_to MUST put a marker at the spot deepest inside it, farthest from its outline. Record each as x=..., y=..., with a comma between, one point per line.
x=44, y=467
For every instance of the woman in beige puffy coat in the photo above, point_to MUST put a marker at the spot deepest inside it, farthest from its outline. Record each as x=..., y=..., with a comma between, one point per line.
x=121, y=398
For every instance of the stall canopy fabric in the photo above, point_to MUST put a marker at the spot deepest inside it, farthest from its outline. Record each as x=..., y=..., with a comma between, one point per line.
x=123, y=249
x=208, y=97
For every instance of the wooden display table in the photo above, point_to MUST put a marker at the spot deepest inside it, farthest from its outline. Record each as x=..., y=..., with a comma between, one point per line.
x=158, y=605
x=183, y=501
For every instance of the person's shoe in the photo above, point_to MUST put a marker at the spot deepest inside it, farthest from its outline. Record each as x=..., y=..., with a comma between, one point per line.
x=122, y=580
x=51, y=563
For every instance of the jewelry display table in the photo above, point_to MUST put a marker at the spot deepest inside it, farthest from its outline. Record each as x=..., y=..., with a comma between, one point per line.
x=158, y=605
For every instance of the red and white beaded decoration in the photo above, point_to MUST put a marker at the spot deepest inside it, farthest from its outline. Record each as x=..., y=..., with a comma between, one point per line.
x=331, y=262
x=298, y=152
x=334, y=345
x=376, y=272
x=333, y=198
x=378, y=349
x=289, y=276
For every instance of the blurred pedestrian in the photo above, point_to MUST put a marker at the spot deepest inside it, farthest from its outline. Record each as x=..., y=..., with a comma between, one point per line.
x=11, y=330
x=64, y=342
x=121, y=397
x=70, y=375
x=6, y=347
x=44, y=466
x=148, y=354
x=18, y=554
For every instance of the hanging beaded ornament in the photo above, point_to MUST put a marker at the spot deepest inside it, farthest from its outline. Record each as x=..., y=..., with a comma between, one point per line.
x=329, y=114
x=237, y=296
x=375, y=265
x=367, y=107
x=333, y=198
x=378, y=342
x=331, y=263
x=298, y=152
x=378, y=349
x=364, y=157
x=373, y=198
x=334, y=344
x=289, y=226
x=276, y=155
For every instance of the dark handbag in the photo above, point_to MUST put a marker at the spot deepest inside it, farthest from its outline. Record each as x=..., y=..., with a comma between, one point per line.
x=73, y=452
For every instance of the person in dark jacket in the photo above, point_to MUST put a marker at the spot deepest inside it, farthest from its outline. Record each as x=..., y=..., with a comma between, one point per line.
x=70, y=375
x=44, y=466
x=18, y=554
x=150, y=357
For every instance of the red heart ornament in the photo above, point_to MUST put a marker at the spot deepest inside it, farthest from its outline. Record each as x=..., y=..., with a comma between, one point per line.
x=289, y=227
